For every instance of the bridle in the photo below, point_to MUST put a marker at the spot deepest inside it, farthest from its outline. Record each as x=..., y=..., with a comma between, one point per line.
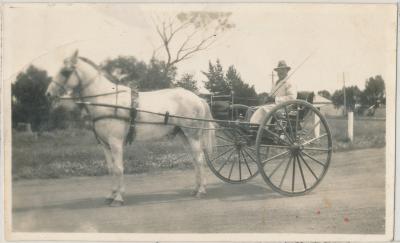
x=67, y=74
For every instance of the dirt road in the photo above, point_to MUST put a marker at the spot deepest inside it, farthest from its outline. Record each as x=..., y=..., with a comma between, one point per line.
x=351, y=199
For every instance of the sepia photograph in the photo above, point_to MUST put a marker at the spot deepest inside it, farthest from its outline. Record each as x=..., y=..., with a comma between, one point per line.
x=193, y=122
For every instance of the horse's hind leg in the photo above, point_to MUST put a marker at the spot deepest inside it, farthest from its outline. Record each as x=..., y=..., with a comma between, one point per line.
x=110, y=167
x=199, y=167
x=116, y=147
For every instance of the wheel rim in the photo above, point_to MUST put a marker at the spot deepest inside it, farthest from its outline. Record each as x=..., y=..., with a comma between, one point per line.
x=299, y=148
x=234, y=158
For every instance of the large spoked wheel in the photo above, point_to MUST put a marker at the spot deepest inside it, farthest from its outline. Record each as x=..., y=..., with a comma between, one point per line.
x=294, y=148
x=234, y=157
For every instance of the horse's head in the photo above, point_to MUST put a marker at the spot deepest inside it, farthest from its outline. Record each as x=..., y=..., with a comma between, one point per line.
x=66, y=79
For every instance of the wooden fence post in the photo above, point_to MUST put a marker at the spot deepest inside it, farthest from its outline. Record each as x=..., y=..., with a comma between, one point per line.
x=318, y=125
x=350, y=125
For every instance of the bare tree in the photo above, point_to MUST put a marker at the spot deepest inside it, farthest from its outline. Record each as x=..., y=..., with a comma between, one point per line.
x=189, y=32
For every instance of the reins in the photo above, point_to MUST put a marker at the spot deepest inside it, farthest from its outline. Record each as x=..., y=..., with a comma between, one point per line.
x=80, y=100
x=169, y=115
x=92, y=96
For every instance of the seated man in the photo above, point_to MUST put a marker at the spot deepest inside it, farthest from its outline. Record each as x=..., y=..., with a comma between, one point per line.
x=281, y=91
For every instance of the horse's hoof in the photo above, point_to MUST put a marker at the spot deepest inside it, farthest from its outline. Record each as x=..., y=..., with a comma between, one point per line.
x=108, y=200
x=116, y=203
x=200, y=194
x=194, y=192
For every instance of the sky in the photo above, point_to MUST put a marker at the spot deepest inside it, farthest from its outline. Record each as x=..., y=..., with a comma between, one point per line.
x=357, y=40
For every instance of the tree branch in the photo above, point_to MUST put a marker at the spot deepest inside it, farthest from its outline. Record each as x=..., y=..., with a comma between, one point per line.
x=182, y=48
x=199, y=47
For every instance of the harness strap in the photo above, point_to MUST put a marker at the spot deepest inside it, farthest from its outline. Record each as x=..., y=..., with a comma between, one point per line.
x=166, y=117
x=127, y=119
x=90, y=96
x=133, y=114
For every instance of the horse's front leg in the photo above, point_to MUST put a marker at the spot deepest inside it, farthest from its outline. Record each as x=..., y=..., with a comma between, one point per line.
x=110, y=166
x=117, y=157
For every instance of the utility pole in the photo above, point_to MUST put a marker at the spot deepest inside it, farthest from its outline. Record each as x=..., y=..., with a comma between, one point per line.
x=344, y=95
x=272, y=79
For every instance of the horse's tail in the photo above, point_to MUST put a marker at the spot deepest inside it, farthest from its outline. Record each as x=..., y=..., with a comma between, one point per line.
x=208, y=139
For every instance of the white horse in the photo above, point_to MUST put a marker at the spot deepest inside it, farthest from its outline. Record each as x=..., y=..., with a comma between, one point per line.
x=85, y=81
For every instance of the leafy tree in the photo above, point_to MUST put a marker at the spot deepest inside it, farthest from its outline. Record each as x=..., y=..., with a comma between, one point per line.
x=243, y=92
x=216, y=82
x=325, y=94
x=138, y=74
x=187, y=82
x=374, y=91
x=130, y=70
x=157, y=76
x=225, y=83
x=30, y=103
x=353, y=94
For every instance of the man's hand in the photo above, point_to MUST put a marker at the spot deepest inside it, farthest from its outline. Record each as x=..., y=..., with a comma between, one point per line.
x=269, y=99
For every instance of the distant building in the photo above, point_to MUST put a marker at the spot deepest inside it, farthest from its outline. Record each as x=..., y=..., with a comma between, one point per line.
x=326, y=106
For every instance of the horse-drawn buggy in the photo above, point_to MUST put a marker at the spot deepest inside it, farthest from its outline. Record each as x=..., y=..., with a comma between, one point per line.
x=291, y=147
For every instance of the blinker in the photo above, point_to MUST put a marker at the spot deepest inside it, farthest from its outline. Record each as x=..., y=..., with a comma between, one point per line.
x=65, y=72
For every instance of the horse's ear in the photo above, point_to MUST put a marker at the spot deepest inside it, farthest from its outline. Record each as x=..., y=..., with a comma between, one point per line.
x=74, y=57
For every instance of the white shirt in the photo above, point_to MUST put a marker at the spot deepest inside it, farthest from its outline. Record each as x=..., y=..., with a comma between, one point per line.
x=283, y=91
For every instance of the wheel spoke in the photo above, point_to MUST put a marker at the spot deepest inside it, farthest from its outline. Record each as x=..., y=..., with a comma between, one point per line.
x=219, y=156
x=284, y=130
x=274, y=146
x=301, y=172
x=248, y=154
x=316, y=149
x=245, y=161
x=277, y=136
x=286, y=170
x=276, y=168
x=309, y=168
x=273, y=157
x=229, y=135
x=290, y=124
x=226, y=161
x=294, y=173
x=312, y=140
x=225, y=139
x=224, y=145
x=256, y=151
x=312, y=129
x=230, y=172
x=314, y=159
x=240, y=166
x=297, y=120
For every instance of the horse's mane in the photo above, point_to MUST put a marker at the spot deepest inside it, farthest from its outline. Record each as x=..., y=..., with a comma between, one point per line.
x=99, y=69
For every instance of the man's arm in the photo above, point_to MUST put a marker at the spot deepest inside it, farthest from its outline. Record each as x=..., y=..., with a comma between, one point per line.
x=290, y=94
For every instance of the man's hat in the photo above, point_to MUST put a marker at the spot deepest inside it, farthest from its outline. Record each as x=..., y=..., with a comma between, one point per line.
x=282, y=65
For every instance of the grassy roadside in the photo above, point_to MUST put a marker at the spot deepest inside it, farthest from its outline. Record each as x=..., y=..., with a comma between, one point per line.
x=76, y=153
x=367, y=134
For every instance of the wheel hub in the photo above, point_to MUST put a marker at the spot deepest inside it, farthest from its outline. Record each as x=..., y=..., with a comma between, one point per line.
x=240, y=144
x=295, y=149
